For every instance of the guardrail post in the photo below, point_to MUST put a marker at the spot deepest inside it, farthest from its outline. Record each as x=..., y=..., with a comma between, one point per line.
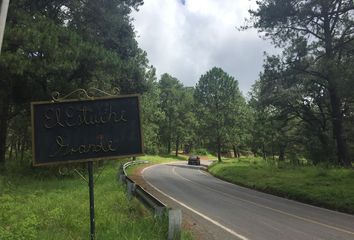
x=159, y=211
x=122, y=178
x=174, y=224
x=120, y=175
x=131, y=189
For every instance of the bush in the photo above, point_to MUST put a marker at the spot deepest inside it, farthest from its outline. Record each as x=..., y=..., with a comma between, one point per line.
x=200, y=151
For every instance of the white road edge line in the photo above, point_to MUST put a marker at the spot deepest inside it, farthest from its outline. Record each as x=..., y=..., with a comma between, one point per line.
x=203, y=172
x=193, y=210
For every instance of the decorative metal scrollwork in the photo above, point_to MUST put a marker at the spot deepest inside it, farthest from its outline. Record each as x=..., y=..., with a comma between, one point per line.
x=83, y=94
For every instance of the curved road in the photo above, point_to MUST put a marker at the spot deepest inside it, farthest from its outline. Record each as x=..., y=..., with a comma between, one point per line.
x=241, y=213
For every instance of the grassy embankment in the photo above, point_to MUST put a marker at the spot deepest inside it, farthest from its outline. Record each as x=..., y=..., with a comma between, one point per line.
x=326, y=187
x=58, y=208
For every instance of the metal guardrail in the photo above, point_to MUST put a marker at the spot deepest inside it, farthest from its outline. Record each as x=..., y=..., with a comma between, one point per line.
x=132, y=163
x=156, y=206
x=149, y=201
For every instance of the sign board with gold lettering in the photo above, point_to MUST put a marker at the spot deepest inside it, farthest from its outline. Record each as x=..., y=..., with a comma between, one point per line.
x=85, y=130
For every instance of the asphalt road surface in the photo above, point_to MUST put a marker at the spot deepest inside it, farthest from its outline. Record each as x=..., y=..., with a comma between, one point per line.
x=240, y=213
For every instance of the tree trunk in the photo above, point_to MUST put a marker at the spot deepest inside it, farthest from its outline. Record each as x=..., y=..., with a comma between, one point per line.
x=169, y=146
x=273, y=154
x=4, y=116
x=177, y=146
x=219, y=150
x=17, y=149
x=337, y=116
x=169, y=134
x=22, y=149
x=337, y=121
x=235, y=151
x=263, y=152
x=282, y=153
x=11, y=150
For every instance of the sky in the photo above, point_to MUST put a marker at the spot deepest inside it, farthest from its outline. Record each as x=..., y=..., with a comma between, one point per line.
x=186, y=38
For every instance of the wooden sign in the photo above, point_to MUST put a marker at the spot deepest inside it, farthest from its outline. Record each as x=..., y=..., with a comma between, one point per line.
x=86, y=130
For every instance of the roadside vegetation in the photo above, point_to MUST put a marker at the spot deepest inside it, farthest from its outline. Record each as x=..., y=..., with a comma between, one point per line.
x=32, y=207
x=301, y=107
x=37, y=206
x=325, y=186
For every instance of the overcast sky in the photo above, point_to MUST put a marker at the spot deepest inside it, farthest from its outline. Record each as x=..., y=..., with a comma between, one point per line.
x=186, y=38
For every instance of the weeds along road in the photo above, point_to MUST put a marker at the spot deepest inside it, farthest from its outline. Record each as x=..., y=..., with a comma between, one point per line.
x=235, y=212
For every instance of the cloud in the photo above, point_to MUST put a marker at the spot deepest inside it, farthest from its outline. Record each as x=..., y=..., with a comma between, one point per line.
x=186, y=38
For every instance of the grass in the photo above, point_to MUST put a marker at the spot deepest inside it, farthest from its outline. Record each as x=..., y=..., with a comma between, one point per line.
x=58, y=208
x=326, y=187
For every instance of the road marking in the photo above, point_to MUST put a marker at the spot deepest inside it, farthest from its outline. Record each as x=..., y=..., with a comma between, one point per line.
x=203, y=172
x=193, y=210
x=174, y=171
x=266, y=207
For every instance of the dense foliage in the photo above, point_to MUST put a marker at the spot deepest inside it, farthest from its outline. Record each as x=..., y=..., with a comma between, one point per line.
x=304, y=97
x=300, y=109
x=218, y=100
x=61, y=46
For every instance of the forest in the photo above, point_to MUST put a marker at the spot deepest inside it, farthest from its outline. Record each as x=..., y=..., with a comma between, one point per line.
x=299, y=110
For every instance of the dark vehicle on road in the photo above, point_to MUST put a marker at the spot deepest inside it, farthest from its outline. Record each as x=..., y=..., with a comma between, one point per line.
x=193, y=160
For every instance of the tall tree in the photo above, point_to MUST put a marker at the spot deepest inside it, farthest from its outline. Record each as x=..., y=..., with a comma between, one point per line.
x=152, y=113
x=170, y=95
x=37, y=54
x=216, y=97
x=107, y=22
x=261, y=129
x=326, y=29
x=298, y=97
x=185, y=119
x=44, y=52
x=239, y=133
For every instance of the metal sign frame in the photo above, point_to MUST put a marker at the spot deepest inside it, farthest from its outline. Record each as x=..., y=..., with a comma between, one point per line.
x=86, y=98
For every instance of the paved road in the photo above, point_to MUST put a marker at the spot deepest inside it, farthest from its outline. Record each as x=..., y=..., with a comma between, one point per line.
x=241, y=213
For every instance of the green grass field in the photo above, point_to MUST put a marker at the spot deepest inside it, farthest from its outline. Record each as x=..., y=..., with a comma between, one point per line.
x=327, y=187
x=58, y=208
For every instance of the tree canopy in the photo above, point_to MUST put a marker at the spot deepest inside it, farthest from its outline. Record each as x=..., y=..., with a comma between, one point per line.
x=301, y=107
x=61, y=46
x=308, y=79
x=217, y=98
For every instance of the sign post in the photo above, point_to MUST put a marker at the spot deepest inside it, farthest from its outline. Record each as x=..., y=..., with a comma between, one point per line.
x=85, y=130
x=3, y=15
x=92, y=200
